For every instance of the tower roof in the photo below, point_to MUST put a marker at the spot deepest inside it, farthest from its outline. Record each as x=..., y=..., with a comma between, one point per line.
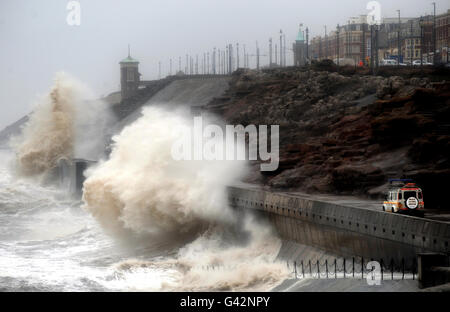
x=129, y=59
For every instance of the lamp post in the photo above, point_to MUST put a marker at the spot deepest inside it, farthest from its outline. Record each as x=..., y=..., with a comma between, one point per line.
x=411, y=43
x=320, y=48
x=421, y=41
x=350, y=38
x=230, y=56
x=159, y=70
x=376, y=47
x=371, y=48
x=307, y=44
x=398, y=40
x=337, y=44
x=219, y=62
x=245, y=58
x=226, y=57
x=363, y=43
x=434, y=34
x=270, y=52
x=276, y=55
x=281, y=48
x=214, y=61
x=257, y=56
x=237, y=55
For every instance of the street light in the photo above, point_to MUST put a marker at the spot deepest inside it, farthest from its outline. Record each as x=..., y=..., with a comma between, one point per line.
x=237, y=55
x=159, y=70
x=307, y=43
x=434, y=33
x=421, y=41
x=398, y=39
x=270, y=52
x=376, y=47
x=411, y=43
x=337, y=44
x=348, y=39
x=281, y=48
x=371, y=49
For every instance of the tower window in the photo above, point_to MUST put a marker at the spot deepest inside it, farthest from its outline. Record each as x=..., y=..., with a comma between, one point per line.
x=130, y=74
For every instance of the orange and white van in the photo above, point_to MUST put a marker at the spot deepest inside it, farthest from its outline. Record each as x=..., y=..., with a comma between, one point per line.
x=407, y=198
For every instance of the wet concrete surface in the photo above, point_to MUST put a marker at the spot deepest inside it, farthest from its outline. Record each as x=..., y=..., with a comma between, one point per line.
x=349, y=201
x=346, y=285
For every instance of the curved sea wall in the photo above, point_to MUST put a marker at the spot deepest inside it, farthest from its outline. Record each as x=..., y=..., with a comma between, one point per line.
x=345, y=231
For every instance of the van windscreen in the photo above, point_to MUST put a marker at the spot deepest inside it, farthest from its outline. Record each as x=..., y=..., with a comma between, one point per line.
x=409, y=194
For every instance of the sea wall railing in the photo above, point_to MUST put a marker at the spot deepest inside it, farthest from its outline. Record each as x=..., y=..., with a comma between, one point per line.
x=355, y=267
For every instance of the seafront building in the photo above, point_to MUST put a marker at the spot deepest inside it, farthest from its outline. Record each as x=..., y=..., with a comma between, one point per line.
x=356, y=42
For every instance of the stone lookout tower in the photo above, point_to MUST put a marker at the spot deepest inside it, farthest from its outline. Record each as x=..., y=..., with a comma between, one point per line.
x=129, y=76
x=299, y=48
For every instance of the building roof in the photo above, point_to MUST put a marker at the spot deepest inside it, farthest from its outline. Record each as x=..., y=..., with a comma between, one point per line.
x=394, y=20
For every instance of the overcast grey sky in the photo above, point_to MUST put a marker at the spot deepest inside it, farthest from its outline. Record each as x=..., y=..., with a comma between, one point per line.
x=36, y=40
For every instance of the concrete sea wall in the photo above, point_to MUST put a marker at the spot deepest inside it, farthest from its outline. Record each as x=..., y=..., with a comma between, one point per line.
x=342, y=230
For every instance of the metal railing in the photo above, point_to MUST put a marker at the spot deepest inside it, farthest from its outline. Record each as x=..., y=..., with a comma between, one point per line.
x=354, y=268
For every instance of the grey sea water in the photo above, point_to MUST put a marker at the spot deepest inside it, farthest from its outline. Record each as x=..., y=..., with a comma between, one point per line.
x=49, y=243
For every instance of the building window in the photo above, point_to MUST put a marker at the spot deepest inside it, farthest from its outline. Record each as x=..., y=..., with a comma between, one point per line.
x=130, y=74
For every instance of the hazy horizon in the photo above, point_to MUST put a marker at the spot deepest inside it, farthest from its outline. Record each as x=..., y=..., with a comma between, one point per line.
x=38, y=42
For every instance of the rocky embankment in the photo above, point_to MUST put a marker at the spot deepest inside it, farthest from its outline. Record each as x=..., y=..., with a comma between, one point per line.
x=348, y=133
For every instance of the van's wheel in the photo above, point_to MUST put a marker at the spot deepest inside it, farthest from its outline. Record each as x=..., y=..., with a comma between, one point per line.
x=392, y=209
